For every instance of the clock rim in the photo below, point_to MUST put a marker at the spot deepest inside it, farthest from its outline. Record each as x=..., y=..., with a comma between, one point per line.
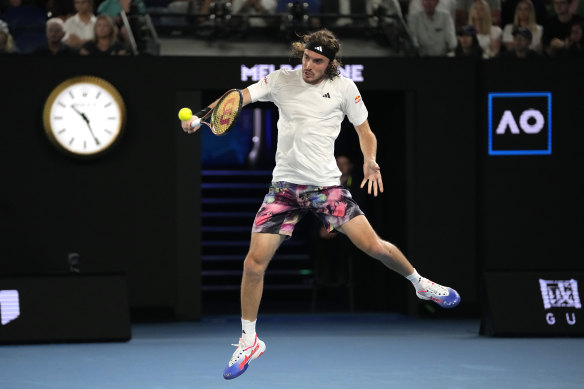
x=50, y=101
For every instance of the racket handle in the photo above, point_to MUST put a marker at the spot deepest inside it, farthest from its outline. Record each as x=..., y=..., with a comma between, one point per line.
x=196, y=123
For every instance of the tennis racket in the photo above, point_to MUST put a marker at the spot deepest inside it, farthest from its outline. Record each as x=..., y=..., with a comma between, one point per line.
x=222, y=118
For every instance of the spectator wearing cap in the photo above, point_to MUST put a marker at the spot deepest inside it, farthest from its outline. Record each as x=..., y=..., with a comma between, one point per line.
x=557, y=28
x=524, y=17
x=468, y=44
x=522, y=38
x=432, y=30
x=7, y=45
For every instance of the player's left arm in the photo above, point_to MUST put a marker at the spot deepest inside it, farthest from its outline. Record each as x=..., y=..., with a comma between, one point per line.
x=371, y=170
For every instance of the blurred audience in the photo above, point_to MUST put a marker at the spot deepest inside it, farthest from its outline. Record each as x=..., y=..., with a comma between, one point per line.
x=255, y=7
x=79, y=28
x=468, y=44
x=489, y=35
x=105, y=41
x=509, y=8
x=55, y=31
x=463, y=9
x=432, y=30
x=7, y=45
x=558, y=27
x=524, y=17
x=26, y=22
x=443, y=5
x=522, y=38
x=574, y=44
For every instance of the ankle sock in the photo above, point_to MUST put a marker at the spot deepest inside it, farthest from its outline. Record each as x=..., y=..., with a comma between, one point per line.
x=415, y=279
x=248, y=331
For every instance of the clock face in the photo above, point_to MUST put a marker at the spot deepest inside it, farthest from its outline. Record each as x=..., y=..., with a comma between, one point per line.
x=84, y=116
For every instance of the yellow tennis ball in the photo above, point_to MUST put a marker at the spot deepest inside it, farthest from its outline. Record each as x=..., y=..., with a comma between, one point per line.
x=185, y=114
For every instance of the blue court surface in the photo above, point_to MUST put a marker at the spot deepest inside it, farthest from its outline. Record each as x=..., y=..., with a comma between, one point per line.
x=303, y=351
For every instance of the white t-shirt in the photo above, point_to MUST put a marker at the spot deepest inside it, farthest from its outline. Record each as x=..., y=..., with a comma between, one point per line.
x=74, y=25
x=309, y=123
x=486, y=39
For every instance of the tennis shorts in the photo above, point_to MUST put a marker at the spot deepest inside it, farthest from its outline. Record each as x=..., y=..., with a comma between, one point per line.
x=286, y=203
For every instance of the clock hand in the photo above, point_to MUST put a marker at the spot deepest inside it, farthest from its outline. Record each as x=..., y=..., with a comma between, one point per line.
x=87, y=122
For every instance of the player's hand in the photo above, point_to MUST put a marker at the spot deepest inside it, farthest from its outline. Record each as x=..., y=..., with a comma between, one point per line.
x=186, y=125
x=372, y=173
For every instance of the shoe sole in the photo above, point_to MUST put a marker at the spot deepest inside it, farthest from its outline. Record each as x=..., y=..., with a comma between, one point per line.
x=447, y=304
x=230, y=376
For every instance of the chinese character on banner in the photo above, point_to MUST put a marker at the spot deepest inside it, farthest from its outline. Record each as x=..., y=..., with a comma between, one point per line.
x=560, y=294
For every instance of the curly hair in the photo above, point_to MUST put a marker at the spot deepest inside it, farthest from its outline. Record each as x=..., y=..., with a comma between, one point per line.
x=322, y=37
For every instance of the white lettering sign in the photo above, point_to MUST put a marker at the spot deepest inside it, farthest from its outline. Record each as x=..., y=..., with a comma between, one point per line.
x=9, y=306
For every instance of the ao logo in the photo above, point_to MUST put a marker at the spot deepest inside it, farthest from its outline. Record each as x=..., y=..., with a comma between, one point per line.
x=520, y=123
x=508, y=122
x=9, y=306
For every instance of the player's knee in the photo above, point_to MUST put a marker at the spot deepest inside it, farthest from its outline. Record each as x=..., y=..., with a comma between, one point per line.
x=253, y=266
x=380, y=249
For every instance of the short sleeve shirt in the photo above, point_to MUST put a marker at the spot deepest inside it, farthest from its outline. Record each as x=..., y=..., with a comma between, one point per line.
x=309, y=123
x=74, y=25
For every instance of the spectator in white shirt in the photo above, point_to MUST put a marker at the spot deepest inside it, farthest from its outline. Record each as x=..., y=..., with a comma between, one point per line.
x=79, y=27
x=432, y=30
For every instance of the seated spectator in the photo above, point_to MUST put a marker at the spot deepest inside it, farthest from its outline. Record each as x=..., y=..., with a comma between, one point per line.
x=113, y=8
x=344, y=7
x=524, y=17
x=557, y=28
x=574, y=44
x=489, y=36
x=7, y=45
x=79, y=27
x=463, y=8
x=55, y=32
x=106, y=41
x=521, y=47
x=509, y=8
x=255, y=7
x=432, y=30
x=468, y=44
x=443, y=5
x=26, y=22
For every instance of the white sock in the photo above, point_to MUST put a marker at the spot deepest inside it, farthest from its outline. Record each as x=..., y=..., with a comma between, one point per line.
x=248, y=331
x=415, y=279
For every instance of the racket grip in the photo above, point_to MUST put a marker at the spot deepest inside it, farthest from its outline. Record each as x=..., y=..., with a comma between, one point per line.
x=196, y=123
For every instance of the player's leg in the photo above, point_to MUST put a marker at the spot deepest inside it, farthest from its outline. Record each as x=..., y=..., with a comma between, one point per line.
x=261, y=251
x=366, y=239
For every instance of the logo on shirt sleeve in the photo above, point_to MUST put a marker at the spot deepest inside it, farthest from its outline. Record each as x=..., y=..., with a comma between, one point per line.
x=357, y=99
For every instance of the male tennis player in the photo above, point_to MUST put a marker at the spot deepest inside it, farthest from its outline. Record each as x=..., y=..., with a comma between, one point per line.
x=312, y=103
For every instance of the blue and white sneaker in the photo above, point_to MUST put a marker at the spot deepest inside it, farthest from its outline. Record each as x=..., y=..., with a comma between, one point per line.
x=444, y=296
x=242, y=357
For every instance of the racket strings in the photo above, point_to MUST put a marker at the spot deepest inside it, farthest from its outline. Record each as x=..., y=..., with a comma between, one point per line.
x=226, y=112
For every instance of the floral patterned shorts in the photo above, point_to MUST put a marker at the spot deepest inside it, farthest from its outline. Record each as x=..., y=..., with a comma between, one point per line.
x=286, y=203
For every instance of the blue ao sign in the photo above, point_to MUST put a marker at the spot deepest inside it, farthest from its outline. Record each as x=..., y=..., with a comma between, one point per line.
x=520, y=123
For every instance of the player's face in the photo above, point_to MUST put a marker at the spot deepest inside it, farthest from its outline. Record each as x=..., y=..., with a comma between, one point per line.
x=313, y=67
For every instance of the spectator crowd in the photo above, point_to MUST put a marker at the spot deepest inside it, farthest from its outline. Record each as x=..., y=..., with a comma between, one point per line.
x=461, y=28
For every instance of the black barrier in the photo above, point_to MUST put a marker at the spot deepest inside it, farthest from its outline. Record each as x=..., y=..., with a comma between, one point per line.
x=69, y=308
x=533, y=304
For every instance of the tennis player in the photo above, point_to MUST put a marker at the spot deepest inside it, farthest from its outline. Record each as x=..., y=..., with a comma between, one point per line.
x=312, y=103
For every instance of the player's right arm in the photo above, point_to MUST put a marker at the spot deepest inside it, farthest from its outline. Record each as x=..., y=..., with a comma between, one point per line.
x=187, y=124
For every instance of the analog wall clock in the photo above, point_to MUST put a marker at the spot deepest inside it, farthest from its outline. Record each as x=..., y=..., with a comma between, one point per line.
x=84, y=116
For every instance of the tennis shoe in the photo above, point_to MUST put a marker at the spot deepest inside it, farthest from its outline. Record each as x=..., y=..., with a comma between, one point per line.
x=442, y=295
x=242, y=357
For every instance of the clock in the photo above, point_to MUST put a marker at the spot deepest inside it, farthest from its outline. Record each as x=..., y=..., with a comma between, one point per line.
x=84, y=116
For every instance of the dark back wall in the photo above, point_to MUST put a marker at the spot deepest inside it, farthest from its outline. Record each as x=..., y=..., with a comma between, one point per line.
x=136, y=210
